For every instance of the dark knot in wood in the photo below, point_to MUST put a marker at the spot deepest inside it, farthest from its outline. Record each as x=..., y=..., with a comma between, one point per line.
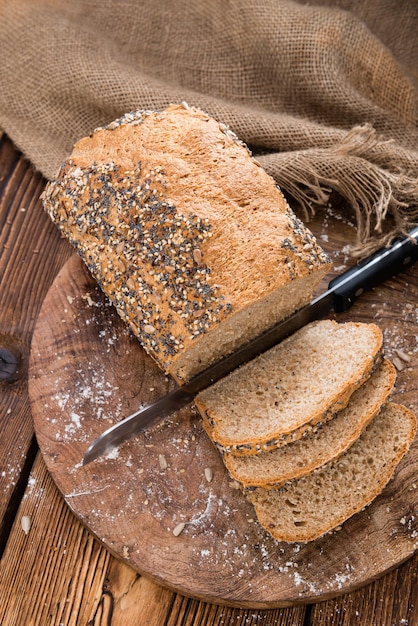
x=9, y=364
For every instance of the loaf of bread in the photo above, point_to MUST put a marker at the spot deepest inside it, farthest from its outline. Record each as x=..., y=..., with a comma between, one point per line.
x=188, y=236
x=296, y=385
x=308, y=507
x=321, y=445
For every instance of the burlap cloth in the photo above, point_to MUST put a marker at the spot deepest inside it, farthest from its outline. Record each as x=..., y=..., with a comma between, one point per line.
x=325, y=93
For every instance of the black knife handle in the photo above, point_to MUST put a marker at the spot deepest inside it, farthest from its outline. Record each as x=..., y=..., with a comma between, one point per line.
x=377, y=268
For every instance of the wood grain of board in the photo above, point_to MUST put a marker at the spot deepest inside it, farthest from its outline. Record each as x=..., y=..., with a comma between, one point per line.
x=87, y=371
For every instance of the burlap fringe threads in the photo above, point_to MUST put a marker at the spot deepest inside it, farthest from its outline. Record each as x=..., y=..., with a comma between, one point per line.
x=366, y=172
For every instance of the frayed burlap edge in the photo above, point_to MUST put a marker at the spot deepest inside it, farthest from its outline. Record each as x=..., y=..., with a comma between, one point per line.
x=385, y=202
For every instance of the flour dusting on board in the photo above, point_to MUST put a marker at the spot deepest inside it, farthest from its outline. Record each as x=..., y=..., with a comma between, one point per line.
x=83, y=389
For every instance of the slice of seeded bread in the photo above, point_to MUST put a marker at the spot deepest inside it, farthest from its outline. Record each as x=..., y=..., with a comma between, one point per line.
x=273, y=469
x=308, y=507
x=303, y=381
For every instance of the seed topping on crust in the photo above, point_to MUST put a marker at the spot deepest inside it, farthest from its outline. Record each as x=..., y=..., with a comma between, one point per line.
x=126, y=221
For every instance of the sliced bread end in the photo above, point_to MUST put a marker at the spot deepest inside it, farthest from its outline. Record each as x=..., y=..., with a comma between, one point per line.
x=309, y=507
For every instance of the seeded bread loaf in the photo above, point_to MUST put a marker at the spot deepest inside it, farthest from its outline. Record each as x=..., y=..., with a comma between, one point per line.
x=187, y=235
x=322, y=444
x=301, y=382
x=308, y=507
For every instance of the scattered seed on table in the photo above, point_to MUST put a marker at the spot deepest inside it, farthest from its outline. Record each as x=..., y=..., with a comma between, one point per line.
x=162, y=461
x=179, y=529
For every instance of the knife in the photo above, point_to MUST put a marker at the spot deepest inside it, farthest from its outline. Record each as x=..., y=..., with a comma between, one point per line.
x=341, y=293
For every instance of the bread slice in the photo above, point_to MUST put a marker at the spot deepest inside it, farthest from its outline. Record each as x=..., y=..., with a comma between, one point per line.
x=307, y=508
x=273, y=469
x=301, y=382
x=187, y=235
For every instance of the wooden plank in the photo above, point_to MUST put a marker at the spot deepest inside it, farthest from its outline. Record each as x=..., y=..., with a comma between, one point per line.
x=129, y=599
x=194, y=613
x=392, y=599
x=31, y=253
x=54, y=572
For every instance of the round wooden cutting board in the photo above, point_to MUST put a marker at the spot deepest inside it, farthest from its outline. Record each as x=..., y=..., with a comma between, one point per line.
x=87, y=371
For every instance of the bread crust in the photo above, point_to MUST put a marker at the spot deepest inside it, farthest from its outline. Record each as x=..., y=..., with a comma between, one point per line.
x=182, y=229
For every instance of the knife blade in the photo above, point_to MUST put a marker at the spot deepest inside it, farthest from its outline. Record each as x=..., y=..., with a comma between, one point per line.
x=341, y=294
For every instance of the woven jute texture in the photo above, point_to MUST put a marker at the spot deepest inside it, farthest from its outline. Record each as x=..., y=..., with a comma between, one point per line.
x=325, y=94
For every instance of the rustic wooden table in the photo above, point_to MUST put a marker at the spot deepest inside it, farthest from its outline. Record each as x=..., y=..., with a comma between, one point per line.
x=52, y=569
